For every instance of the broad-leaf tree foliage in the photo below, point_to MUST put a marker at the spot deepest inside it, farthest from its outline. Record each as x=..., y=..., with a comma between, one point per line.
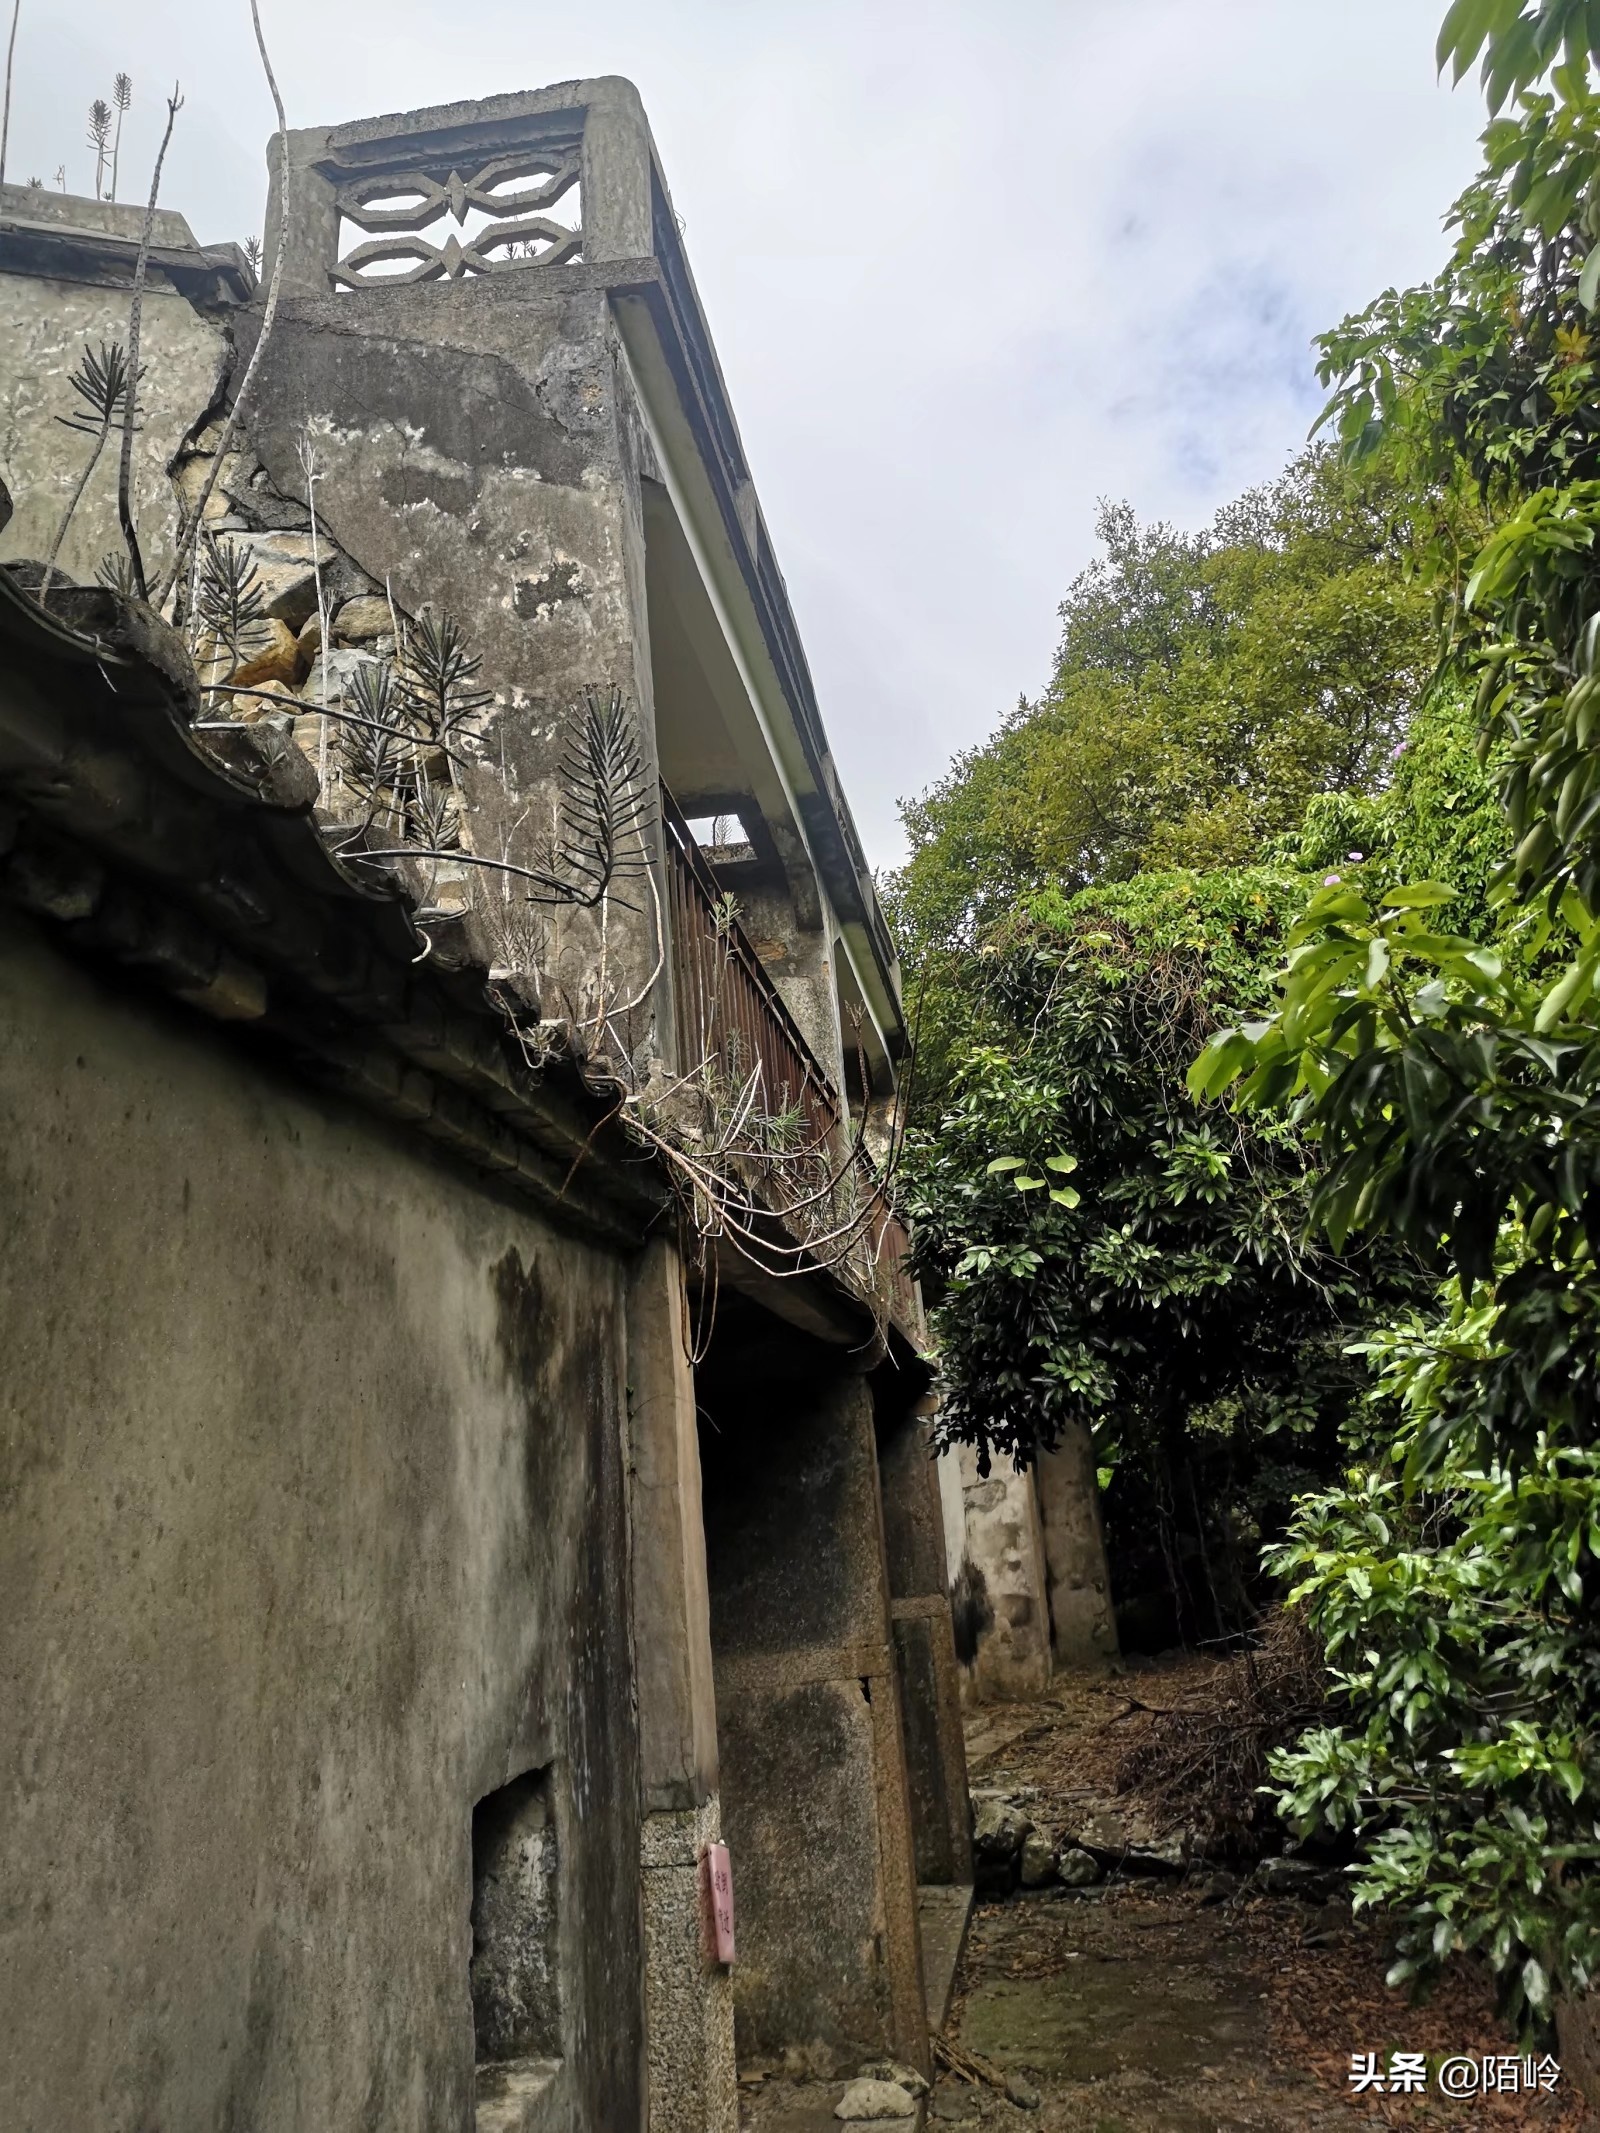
x=1439, y=818
x=1111, y=1253
x=1451, y=1588
x=1520, y=40
x=1452, y=1085
x=1206, y=687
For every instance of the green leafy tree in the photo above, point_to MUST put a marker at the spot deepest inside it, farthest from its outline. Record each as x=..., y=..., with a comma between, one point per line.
x=1438, y=819
x=1111, y=1254
x=1451, y=1083
x=1207, y=686
x=1454, y=1611
x=1520, y=40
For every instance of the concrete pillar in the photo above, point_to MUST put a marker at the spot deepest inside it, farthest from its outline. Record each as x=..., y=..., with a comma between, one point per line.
x=815, y=1799
x=925, y=1655
x=1083, y=1627
x=688, y=1999
x=1000, y=1592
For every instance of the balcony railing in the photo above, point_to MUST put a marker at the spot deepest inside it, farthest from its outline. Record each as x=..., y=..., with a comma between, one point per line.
x=730, y=1014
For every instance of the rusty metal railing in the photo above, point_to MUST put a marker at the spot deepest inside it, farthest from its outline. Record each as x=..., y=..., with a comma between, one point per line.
x=730, y=1013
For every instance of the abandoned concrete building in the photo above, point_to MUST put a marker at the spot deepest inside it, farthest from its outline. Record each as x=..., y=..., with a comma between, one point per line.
x=466, y=1443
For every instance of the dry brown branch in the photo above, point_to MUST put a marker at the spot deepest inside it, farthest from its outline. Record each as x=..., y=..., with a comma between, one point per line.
x=135, y=323
x=5, y=108
x=196, y=518
x=966, y=2066
x=1204, y=1761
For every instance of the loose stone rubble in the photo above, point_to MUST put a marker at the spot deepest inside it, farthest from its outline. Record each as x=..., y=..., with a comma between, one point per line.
x=864, y=2100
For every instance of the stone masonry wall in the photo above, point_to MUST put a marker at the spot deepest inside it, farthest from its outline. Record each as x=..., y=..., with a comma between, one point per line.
x=479, y=455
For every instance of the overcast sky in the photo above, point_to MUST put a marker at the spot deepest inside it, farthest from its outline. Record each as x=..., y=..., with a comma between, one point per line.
x=969, y=264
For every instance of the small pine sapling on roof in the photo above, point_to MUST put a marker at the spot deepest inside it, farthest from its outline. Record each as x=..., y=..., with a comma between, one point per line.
x=102, y=386
x=100, y=142
x=122, y=97
x=230, y=607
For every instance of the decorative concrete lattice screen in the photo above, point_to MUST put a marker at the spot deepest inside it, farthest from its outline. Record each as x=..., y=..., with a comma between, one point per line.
x=423, y=203
x=504, y=220
x=464, y=192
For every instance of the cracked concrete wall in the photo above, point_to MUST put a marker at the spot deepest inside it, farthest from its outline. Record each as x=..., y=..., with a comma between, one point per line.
x=481, y=454
x=46, y=325
x=312, y=1533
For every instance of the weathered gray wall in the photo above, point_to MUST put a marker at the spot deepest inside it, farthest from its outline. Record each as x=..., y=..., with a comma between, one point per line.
x=311, y=1534
x=688, y=1994
x=1083, y=1625
x=480, y=453
x=925, y=1659
x=814, y=1794
x=45, y=327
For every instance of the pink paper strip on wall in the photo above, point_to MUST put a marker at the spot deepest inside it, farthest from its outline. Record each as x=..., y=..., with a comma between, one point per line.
x=718, y=1872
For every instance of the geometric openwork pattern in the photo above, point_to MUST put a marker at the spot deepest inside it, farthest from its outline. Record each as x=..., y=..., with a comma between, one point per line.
x=518, y=235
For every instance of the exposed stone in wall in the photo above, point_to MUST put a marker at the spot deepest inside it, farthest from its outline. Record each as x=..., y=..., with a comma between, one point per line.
x=46, y=324
x=290, y=679
x=301, y=575
x=475, y=455
x=688, y=1996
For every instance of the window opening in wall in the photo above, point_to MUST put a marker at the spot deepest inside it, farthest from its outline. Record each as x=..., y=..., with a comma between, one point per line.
x=722, y=837
x=516, y=2000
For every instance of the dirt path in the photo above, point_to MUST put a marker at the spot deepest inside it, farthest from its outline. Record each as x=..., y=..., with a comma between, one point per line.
x=1185, y=2003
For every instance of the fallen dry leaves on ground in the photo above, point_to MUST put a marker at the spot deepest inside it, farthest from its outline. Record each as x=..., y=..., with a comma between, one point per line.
x=1316, y=1972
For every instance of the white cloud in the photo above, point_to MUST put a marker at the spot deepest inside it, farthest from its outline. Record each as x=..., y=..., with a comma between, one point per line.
x=969, y=263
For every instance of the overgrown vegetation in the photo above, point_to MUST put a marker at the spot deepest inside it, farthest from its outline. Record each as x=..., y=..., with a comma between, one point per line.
x=1417, y=1099
x=1181, y=1309
x=1206, y=688
x=1117, y=1256
x=1450, y=1083
x=1202, y=1763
